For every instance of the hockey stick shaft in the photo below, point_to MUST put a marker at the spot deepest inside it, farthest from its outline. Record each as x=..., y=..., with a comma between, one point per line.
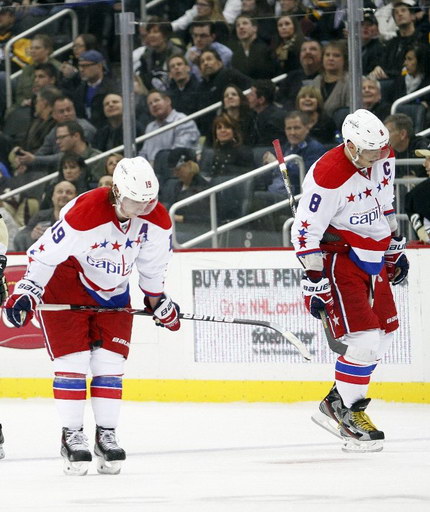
x=335, y=345
x=289, y=336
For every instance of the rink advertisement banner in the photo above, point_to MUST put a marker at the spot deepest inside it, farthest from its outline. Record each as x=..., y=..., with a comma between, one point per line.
x=272, y=295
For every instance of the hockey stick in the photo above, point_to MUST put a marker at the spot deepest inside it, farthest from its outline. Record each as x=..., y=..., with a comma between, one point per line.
x=335, y=345
x=289, y=336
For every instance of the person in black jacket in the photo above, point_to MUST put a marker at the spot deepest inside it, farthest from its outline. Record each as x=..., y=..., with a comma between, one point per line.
x=95, y=85
x=417, y=204
x=215, y=80
x=183, y=85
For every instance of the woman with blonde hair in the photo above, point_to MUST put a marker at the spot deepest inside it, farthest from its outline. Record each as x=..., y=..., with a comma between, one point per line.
x=322, y=128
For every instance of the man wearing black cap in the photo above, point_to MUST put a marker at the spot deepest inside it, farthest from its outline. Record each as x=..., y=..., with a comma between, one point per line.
x=94, y=86
x=372, y=48
x=186, y=182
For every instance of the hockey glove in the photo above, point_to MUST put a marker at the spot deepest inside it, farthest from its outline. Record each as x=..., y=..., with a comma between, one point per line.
x=165, y=312
x=396, y=263
x=3, y=283
x=21, y=304
x=317, y=294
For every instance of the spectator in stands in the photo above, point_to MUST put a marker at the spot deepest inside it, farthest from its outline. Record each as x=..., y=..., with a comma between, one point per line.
x=251, y=56
x=395, y=49
x=183, y=85
x=262, y=12
x=287, y=43
x=105, y=181
x=333, y=79
x=153, y=67
x=89, y=95
x=184, y=135
x=372, y=99
x=111, y=162
x=19, y=118
x=204, y=37
x=417, y=204
x=310, y=66
x=204, y=10
x=71, y=139
x=43, y=121
x=69, y=69
x=371, y=46
x=42, y=220
x=235, y=104
x=215, y=80
x=405, y=143
x=48, y=156
x=73, y=169
x=110, y=134
x=40, y=51
x=10, y=27
x=299, y=143
x=230, y=158
x=270, y=118
x=186, y=182
x=417, y=66
x=321, y=127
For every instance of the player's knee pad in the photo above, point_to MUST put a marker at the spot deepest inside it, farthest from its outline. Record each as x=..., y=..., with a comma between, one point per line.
x=363, y=346
x=105, y=362
x=386, y=339
x=78, y=362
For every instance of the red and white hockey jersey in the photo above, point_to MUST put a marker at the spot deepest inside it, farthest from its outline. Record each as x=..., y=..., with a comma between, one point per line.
x=89, y=236
x=353, y=205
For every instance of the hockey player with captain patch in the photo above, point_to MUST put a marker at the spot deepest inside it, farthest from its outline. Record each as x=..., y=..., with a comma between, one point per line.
x=344, y=234
x=86, y=258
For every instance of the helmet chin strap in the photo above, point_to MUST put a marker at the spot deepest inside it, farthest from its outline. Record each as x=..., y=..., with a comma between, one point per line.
x=354, y=159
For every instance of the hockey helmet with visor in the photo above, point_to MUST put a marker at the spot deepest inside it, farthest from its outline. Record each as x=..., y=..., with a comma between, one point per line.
x=135, y=187
x=369, y=136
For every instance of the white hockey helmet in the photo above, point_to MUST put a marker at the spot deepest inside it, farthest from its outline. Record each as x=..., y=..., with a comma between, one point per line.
x=135, y=186
x=367, y=133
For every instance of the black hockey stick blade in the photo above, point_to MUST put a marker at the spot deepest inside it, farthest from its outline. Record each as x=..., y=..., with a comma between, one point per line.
x=289, y=336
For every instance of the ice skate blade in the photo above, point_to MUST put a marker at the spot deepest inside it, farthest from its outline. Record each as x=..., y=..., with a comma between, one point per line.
x=75, y=468
x=356, y=446
x=108, y=467
x=326, y=423
x=1, y=452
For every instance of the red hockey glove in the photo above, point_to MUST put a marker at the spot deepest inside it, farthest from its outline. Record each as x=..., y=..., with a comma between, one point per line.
x=166, y=312
x=3, y=283
x=317, y=294
x=396, y=262
x=21, y=304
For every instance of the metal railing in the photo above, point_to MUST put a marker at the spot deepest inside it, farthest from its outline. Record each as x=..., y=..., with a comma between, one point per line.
x=33, y=30
x=170, y=126
x=211, y=193
x=408, y=97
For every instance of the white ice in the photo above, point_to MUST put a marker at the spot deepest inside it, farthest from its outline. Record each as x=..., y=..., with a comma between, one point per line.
x=218, y=457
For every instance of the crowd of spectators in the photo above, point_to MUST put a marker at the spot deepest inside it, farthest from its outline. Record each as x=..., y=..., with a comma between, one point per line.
x=189, y=55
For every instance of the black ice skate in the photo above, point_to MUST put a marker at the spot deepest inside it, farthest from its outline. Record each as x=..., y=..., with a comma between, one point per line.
x=109, y=454
x=357, y=430
x=75, y=452
x=352, y=425
x=1, y=443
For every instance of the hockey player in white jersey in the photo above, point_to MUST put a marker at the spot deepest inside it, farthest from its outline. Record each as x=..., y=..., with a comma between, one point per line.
x=344, y=234
x=4, y=240
x=86, y=258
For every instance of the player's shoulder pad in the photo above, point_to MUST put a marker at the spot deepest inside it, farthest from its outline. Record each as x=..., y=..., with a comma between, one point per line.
x=159, y=216
x=91, y=209
x=333, y=169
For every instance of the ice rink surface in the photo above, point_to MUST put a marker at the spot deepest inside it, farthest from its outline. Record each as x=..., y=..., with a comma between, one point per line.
x=218, y=457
